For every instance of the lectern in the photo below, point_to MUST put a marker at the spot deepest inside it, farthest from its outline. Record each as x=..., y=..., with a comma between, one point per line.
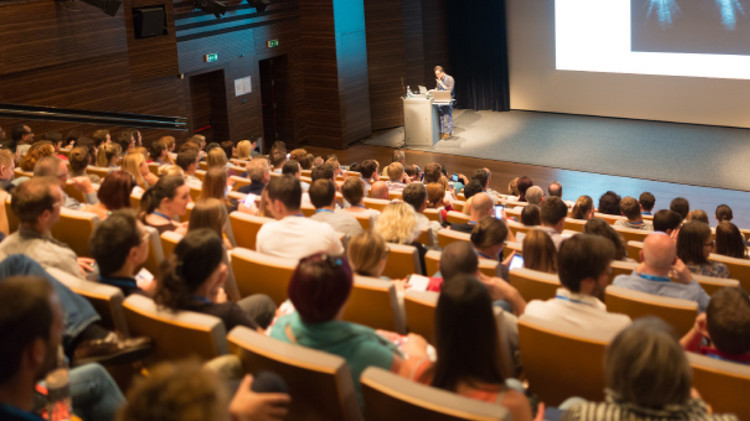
x=420, y=121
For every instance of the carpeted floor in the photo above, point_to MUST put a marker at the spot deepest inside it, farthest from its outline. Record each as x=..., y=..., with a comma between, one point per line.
x=679, y=153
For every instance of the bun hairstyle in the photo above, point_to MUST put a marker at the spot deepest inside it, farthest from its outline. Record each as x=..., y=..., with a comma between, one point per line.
x=194, y=259
x=488, y=232
x=165, y=188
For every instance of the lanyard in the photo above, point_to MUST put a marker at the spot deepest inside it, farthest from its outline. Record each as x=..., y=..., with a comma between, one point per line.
x=157, y=213
x=118, y=282
x=201, y=299
x=323, y=210
x=572, y=300
x=654, y=277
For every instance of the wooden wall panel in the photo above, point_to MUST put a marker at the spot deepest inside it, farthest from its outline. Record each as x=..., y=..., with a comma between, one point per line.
x=413, y=30
x=436, y=32
x=154, y=57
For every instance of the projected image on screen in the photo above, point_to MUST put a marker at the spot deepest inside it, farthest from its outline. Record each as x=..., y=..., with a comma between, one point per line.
x=691, y=26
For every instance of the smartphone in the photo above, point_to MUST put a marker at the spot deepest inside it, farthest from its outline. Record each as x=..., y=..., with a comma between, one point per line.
x=454, y=177
x=418, y=282
x=499, y=211
x=516, y=262
x=249, y=200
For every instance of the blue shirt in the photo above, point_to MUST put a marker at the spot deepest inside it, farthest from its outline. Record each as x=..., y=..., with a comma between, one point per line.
x=692, y=291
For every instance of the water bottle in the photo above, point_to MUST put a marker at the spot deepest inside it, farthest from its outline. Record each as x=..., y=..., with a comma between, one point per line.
x=59, y=403
x=409, y=94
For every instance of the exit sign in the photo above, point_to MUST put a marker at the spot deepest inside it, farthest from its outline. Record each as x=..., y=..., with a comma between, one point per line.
x=272, y=43
x=210, y=58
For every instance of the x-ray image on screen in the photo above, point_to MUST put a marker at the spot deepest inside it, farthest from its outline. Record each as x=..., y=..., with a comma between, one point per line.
x=691, y=26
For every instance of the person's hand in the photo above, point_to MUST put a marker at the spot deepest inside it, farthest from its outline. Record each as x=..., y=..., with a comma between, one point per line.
x=415, y=346
x=507, y=260
x=701, y=326
x=401, y=284
x=680, y=273
x=539, y=412
x=82, y=183
x=86, y=264
x=221, y=296
x=247, y=405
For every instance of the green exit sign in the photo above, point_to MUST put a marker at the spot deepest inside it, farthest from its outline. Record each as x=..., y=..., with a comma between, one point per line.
x=210, y=58
x=272, y=43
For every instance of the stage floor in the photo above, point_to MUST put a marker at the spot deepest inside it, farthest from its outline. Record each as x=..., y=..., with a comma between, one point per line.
x=689, y=154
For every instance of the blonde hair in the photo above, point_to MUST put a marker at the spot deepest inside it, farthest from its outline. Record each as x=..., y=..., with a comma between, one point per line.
x=216, y=158
x=106, y=153
x=539, y=252
x=171, y=170
x=244, y=148
x=366, y=251
x=132, y=164
x=397, y=223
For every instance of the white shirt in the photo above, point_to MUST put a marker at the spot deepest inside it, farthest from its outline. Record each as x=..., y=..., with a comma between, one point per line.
x=578, y=311
x=295, y=237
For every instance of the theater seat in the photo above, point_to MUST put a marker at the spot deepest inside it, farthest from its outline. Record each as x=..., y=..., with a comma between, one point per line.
x=722, y=384
x=373, y=303
x=533, y=284
x=560, y=361
x=680, y=314
x=402, y=261
x=377, y=204
x=712, y=284
x=176, y=335
x=389, y=396
x=432, y=262
x=169, y=240
x=447, y=236
x=454, y=217
x=155, y=252
x=238, y=182
x=738, y=268
x=75, y=229
x=320, y=383
x=432, y=214
x=419, y=307
x=256, y=272
x=245, y=228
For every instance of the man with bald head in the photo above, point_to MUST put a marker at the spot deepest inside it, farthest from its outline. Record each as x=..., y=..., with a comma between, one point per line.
x=379, y=190
x=663, y=273
x=481, y=205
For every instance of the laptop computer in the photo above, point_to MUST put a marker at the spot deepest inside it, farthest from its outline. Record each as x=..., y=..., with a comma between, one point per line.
x=442, y=96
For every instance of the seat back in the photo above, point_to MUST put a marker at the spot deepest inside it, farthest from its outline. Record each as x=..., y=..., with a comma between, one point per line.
x=238, y=182
x=373, y=303
x=73, y=192
x=621, y=267
x=256, y=272
x=419, y=307
x=364, y=220
x=632, y=234
x=574, y=224
x=738, y=268
x=432, y=214
x=155, y=252
x=722, y=384
x=154, y=168
x=12, y=218
x=560, y=361
x=245, y=228
x=169, y=241
x=533, y=284
x=102, y=172
x=308, y=210
x=106, y=299
x=75, y=229
x=680, y=314
x=387, y=394
x=377, y=204
x=519, y=228
x=455, y=217
x=712, y=284
x=176, y=335
x=425, y=237
x=432, y=264
x=634, y=250
x=609, y=218
x=320, y=383
x=447, y=236
x=403, y=260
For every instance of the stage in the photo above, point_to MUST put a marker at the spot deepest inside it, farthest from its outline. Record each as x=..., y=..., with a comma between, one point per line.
x=689, y=154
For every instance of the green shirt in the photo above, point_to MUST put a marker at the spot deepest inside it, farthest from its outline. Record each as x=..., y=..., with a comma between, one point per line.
x=359, y=345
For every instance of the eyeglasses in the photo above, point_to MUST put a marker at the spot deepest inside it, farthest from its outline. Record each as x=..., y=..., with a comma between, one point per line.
x=709, y=244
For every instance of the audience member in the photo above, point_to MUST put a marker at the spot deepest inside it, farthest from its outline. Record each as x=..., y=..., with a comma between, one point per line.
x=369, y=170
x=729, y=240
x=277, y=156
x=632, y=210
x=211, y=214
x=293, y=236
x=193, y=279
x=159, y=153
x=396, y=177
x=415, y=194
x=647, y=376
x=468, y=352
x=698, y=215
x=215, y=187
x=36, y=203
x=488, y=238
x=553, y=214
x=535, y=195
x=135, y=164
x=659, y=261
x=531, y=215
x=555, y=189
x=522, y=185
x=353, y=191
x=113, y=194
x=164, y=202
x=319, y=288
x=726, y=324
x=646, y=200
x=216, y=157
x=36, y=152
x=367, y=254
x=583, y=208
x=120, y=245
x=609, y=203
x=681, y=206
x=323, y=197
x=109, y=155
x=723, y=213
x=79, y=161
x=259, y=173
x=539, y=252
x=244, y=150
x=52, y=166
x=668, y=222
x=398, y=224
x=187, y=159
x=694, y=245
x=600, y=227
x=185, y=391
x=379, y=190
x=583, y=267
x=7, y=165
x=481, y=206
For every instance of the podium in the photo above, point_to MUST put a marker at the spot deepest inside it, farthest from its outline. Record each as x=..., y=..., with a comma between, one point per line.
x=420, y=121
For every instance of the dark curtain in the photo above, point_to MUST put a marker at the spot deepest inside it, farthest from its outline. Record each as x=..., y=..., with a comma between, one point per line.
x=478, y=51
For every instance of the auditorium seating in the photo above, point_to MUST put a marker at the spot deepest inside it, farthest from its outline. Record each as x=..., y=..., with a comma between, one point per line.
x=373, y=302
x=176, y=335
x=634, y=250
x=722, y=384
x=169, y=240
x=238, y=182
x=432, y=214
x=447, y=236
x=432, y=263
x=560, y=361
x=455, y=217
x=389, y=396
x=621, y=267
x=255, y=272
x=154, y=167
x=102, y=172
x=425, y=237
x=631, y=234
x=738, y=268
x=155, y=253
x=678, y=313
x=245, y=228
x=364, y=220
x=75, y=229
x=574, y=224
x=377, y=204
x=402, y=261
x=320, y=383
x=711, y=284
x=420, y=313
x=73, y=192
x=533, y=284
x=12, y=219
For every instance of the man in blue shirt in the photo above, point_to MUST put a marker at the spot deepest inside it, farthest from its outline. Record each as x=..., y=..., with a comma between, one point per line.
x=445, y=82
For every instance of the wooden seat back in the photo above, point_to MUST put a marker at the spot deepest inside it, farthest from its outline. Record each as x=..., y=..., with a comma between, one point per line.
x=373, y=302
x=680, y=314
x=256, y=272
x=245, y=228
x=533, y=284
x=402, y=261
